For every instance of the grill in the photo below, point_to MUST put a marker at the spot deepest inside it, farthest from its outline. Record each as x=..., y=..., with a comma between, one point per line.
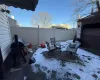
x=17, y=50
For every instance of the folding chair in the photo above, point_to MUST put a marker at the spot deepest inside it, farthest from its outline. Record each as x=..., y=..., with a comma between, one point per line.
x=72, y=47
x=53, y=42
x=51, y=51
x=50, y=48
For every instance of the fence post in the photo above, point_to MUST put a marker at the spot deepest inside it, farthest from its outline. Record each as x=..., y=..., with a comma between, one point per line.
x=54, y=32
x=38, y=35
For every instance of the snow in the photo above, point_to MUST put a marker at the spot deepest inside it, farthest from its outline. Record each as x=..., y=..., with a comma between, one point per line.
x=25, y=77
x=89, y=69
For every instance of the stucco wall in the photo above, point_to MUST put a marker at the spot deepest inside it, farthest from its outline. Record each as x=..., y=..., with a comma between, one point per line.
x=37, y=36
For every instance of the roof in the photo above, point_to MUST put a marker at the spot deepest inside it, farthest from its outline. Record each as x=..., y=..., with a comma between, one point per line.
x=94, y=18
x=23, y=4
x=61, y=26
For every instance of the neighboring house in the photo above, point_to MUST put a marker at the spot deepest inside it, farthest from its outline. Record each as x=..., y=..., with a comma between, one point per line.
x=12, y=22
x=91, y=19
x=59, y=27
x=90, y=31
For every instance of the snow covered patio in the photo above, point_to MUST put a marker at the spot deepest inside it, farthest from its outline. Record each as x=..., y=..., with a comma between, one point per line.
x=55, y=69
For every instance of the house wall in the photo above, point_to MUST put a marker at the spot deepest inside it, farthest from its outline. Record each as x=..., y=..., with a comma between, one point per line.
x=37, y=36
x=12, y=22
x=5, y=36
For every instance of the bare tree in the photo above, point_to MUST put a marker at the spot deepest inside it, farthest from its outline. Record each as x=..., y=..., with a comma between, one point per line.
x=84, y=8
x=98, y=4
x=81, y=5
x=43, y=19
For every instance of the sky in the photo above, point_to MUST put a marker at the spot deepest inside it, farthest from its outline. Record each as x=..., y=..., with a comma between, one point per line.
x=60, y=10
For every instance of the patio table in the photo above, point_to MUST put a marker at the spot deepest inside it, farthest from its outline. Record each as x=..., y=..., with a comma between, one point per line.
x=59, y=45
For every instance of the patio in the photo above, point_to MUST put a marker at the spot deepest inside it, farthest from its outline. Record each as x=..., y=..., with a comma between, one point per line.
x=63, y=66
x=85, y=67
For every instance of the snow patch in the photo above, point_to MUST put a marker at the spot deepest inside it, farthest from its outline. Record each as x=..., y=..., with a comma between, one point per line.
x=92, y=66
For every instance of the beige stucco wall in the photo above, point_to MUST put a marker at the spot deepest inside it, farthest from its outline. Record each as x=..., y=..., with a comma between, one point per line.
x=28, y=34
x=45, y=34
x=37, y=36
x=64, y=34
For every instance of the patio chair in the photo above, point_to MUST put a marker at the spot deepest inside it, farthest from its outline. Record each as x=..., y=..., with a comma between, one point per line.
x=50, y=48
x=72, y=47
x=53, y=42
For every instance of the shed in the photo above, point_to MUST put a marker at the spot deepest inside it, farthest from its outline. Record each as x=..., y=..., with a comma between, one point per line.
x=90, y=32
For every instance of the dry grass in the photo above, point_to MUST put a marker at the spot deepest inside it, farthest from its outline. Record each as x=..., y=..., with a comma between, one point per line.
x=64, y=57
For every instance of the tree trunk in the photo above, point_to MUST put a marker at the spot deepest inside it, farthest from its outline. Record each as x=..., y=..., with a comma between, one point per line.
x=98, y=6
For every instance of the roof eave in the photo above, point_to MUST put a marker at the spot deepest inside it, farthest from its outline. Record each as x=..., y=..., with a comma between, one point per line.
x=25, y=4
